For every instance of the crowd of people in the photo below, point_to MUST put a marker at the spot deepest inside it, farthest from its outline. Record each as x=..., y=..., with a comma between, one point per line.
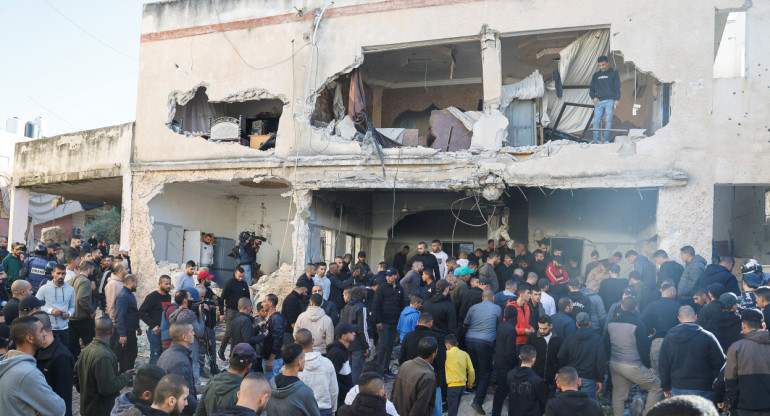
x=538, y=333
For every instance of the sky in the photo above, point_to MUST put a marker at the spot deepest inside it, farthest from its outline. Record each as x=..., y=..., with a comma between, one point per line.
x=52, y=68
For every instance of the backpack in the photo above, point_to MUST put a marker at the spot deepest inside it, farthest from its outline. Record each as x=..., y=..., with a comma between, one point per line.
x=165, y=324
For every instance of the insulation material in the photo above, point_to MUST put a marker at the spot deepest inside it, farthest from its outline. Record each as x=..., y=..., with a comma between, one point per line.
x=577, y=65
x=529, y=88
x=441, y=122
x=468, y=118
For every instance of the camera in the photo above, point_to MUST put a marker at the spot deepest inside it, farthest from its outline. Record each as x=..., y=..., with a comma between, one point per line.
x=246, y=239
x=194, y=304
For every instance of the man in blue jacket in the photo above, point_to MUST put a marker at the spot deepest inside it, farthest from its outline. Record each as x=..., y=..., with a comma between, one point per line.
x=605, y=92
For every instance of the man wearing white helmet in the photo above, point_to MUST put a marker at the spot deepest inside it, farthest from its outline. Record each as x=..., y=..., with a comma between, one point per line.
x=753, y=266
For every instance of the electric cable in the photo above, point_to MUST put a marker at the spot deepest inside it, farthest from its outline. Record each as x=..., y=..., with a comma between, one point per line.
x=38, y=103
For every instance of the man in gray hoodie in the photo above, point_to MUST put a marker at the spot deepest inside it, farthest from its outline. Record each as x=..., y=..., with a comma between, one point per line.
x=290, y=396
x=693, y=268
x=23, y=389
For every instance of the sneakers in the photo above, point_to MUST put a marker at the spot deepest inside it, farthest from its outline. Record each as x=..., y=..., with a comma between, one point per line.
x=477, y=407
x=389, y=374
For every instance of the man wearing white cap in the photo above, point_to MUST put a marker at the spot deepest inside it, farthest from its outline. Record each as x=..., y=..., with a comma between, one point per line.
x=124, y=250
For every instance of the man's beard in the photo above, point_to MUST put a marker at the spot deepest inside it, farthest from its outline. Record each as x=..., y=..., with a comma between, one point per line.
x=59, y=282
x=260, y=409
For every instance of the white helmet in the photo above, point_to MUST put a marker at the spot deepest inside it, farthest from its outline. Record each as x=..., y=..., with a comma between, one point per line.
x=751, y=266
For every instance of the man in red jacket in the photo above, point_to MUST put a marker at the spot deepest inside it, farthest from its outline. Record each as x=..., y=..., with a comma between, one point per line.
x=523, y=325
x=558, y=276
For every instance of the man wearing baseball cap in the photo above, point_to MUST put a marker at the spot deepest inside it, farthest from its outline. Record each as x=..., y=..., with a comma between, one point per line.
x=209, y=334
x=223, y=389
x=747, y=369
x=29, y=304
x=337, y=353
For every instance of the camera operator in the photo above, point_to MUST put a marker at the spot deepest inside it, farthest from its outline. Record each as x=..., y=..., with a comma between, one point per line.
x=209, y=336
x=247, y=253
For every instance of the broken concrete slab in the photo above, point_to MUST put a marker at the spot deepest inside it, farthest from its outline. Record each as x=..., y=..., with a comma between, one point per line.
x=490, y=132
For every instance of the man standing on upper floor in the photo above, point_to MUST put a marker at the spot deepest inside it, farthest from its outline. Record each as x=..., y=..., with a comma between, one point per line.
x=488, y=270
x=428, y=260
x=667, y=269
x=399, y=260
x=441, y=258
x=747, y=372
x=694, y=267
x=605, y=92
x=643, y=265
x=720, y=273
x=690, y=358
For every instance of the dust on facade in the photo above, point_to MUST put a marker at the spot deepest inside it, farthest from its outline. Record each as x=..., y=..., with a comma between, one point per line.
x=366, y=125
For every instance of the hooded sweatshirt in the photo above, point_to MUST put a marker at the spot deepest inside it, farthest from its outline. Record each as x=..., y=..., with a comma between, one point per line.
x=320, y=376
x=364, y=405
x=293, y=399
x=407, y=321
x=55, y=297
x=129, y=405
x=573, y=403
x=747, y=372
x=220, y=392
x=690, y=358
x=23, y=389
x=692, y=271
x=726, y=327
x=527, y=392
x=315, y=320
x=716, y=273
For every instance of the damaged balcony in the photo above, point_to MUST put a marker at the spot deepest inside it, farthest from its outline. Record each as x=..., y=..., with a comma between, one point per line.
x=499, y=92
x=249, y=119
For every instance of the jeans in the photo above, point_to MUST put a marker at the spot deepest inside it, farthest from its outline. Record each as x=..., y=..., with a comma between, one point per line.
x=387, y=340
x=437, y=410
x=589, y=386
x=155, y=346
x=702, y=393
x=277, y=364
x=325, y=412
x=80, y=329
x=501, y=393
x=604, y=108
x=357, y=361
x=453, y=399
x=623, y=375
x=246, y=272
x=481, y=353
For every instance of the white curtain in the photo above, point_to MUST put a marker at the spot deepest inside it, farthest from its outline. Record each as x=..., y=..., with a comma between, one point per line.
x=198, y=110
x=576, y=66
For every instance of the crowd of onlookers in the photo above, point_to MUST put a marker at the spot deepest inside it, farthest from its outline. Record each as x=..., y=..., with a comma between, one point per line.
x=535, y=330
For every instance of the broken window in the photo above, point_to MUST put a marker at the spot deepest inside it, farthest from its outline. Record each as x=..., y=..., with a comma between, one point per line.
x=741, y=216
x=730, y=44
x=249, y=119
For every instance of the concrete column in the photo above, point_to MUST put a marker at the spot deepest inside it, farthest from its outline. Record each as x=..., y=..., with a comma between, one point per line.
x=685, y=217
x=377, y=107
x=125, y=210
x=491, y=68
x=17, y=227
x=301, y=236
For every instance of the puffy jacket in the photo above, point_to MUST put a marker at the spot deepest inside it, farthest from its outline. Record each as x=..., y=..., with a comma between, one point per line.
x=56, y=363
x=355, y=314
x=388, y=303
x=584, y=351
x=692, y=271
x=626, y=340
x=444, y=313
x=747, y=372
x=293, y=305
x=177, y=359
x=221, y=391
x=597, y=311
x=315, y=320
x=690, y=358
x=716, y=273
x=407, y=321
x=726, y=327
x=83, y=299
x=320, y=376
x=548, y=364
x=573, y=403
x=23, y=389
x=241, y=329
x=97, y=378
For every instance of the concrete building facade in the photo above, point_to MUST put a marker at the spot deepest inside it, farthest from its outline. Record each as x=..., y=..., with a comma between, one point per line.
x=694, y=176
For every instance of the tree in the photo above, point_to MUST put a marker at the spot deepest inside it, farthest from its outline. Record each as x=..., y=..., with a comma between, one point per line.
x=105, y=226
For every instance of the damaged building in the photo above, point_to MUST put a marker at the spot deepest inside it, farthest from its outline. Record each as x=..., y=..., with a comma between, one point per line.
x=330, y=128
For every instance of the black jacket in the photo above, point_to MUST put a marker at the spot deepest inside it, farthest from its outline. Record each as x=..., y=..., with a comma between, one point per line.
x=338, y=355
x=444, y=313
x=726, y=327
x=660, y=316
x=338, y=285
x=235, y=411
x=527, y=392
x=428, y=263
x=11, y=311
x=708, y=312
x=387, y=303
x=670, y=270
x=234, y=290
x=57, y=363
x=152, y=308
x=292, y=306
x=364, y=405
x=126, y=312
x=573, y=403
x=274, y=340
x=506, y=356
x=605, y=85
x=611, y=291
x=471, y=296
x=580, y=303
x=355, y=313
x=547, y=363
x=584, y=351
x=690, y=358
x=409, y=350
x=241, y=329
x=716, y=273
x=399, y=261
x=331, y=311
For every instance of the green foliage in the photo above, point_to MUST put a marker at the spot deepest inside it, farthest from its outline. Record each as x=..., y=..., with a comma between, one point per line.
x=106, y=226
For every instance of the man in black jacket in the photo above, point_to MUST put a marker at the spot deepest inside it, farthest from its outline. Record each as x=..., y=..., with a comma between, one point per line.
x=690, y=358
x=659, y=317
x=241, y=330
x=56, y=363
x=605, y=92
x=293, y=305
x=720, y=273
x=355, y=314
x=428, y=260
x=271, y=348
x=505, y=357
x=669, y=269
x=584, y=351
x=399, y=260
x=725, y=326
x=570, y=401
x=150, y=313
x=126, y=325
x=409, y=348
x=386, y=308
x=338, y=285
x=235, y=289
x=209, y=334
x=547, y=344
x=442, y=309
x=337, y=353
x=527, y=390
